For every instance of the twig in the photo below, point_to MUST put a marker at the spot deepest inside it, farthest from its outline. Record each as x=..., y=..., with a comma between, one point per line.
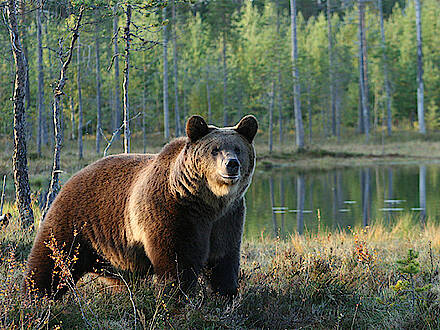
x=3, y=194
x=114, y=134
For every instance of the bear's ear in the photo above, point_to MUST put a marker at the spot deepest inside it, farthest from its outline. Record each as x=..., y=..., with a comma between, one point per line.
x=247, y=127
x=196, y=128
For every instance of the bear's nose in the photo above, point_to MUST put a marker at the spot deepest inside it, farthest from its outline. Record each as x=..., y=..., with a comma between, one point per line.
x=232, y=166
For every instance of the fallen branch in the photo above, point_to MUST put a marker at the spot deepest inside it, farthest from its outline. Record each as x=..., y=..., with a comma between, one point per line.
x=114, y=135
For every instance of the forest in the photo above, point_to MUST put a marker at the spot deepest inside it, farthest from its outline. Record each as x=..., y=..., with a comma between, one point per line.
x=345, y=92
x=222, y=69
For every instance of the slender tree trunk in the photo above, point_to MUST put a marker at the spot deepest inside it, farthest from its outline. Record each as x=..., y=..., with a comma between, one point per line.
x=271, y=105
x=126, y=79
x=98, y=91
x=166, y=123
x=309, y=107
x=279, y=89
x=296, y=86
x=117, y=110
x=362, y=74
x=144, y=129
x=225, y=82
x=385, y=69
x=208, y=95
x=80, y=110
x=40, y=79
x=44, y=125
x=176, y=76
x=331, y=68
x=420, y=86
x=72, y=118
x=57, y=114
x=23, y=24
x=19, y=159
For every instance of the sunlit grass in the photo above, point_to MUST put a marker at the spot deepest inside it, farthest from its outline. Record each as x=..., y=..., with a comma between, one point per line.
x=321, y=279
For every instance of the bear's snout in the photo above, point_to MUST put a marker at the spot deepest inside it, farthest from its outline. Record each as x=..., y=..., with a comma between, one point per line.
x=232, y=166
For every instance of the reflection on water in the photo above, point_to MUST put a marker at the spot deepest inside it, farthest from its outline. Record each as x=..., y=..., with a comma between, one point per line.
x=339, y=198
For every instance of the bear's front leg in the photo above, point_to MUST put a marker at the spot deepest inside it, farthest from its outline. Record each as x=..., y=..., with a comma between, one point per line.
x=180, y=254
x=224, y=256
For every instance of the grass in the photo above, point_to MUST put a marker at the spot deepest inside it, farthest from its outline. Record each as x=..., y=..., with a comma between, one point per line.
x=355, y=278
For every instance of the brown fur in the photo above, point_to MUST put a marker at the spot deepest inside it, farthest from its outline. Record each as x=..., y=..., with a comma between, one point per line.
x=169, y=214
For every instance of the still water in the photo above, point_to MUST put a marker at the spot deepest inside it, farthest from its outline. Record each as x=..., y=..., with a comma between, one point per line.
x=285, y=200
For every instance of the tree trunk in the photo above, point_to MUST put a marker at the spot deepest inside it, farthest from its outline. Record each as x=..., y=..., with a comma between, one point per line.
x=385, y=70
x=278, y=89
x=117, y=110
x=271, y=105
x=176, y=80
x=225, y=82
x=98, y=91
x=58, y=93
x=362, y=74
x=126, y=79
x=19, y=159
x=420, y=87
x=299, y=134
x=72, y=119
x=80, y=112
x=309, y=108
x=40, y=80
x=23, y=24
x=144, y=129
x=208, y=95
x=166, y=127
x=44, y=117
x=331, y=68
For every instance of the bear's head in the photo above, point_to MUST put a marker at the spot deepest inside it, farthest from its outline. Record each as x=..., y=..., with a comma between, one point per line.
x=224, y=157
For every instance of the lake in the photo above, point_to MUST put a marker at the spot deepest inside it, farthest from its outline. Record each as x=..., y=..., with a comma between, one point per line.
x=287, y=200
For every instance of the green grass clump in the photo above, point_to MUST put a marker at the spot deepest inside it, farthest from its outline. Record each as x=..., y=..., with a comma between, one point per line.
x=377, y=277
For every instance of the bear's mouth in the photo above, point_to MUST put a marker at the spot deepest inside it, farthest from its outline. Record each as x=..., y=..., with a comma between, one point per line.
x=231, y=179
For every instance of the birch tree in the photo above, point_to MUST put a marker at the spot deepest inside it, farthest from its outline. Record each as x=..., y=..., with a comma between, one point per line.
x=331, y=69
x=385, y=69
x=166, y=127
x=127, y=39
x=420, y=85
x=80, y=108
x=98, y=89
x=117, y=104
x=363, y=80
x=299, y=134
x=58, y=92
x=40, y=78
x=19, y=159
x=175, y=66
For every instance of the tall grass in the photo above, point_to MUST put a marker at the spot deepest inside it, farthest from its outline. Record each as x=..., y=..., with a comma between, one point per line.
x=351, y=278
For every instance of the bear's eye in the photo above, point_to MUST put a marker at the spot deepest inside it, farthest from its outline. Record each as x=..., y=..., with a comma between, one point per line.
x=215, y=151
x=237, y=150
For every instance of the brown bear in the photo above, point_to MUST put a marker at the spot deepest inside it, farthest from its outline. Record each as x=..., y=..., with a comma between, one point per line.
x=169, y=214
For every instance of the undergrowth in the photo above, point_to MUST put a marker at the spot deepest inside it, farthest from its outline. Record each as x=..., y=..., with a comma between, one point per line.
x=379, y=276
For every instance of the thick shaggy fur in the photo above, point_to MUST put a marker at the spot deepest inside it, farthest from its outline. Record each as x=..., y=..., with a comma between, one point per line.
x=170, y=214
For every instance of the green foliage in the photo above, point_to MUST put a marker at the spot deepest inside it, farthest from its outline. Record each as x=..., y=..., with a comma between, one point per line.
x=256, y=51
